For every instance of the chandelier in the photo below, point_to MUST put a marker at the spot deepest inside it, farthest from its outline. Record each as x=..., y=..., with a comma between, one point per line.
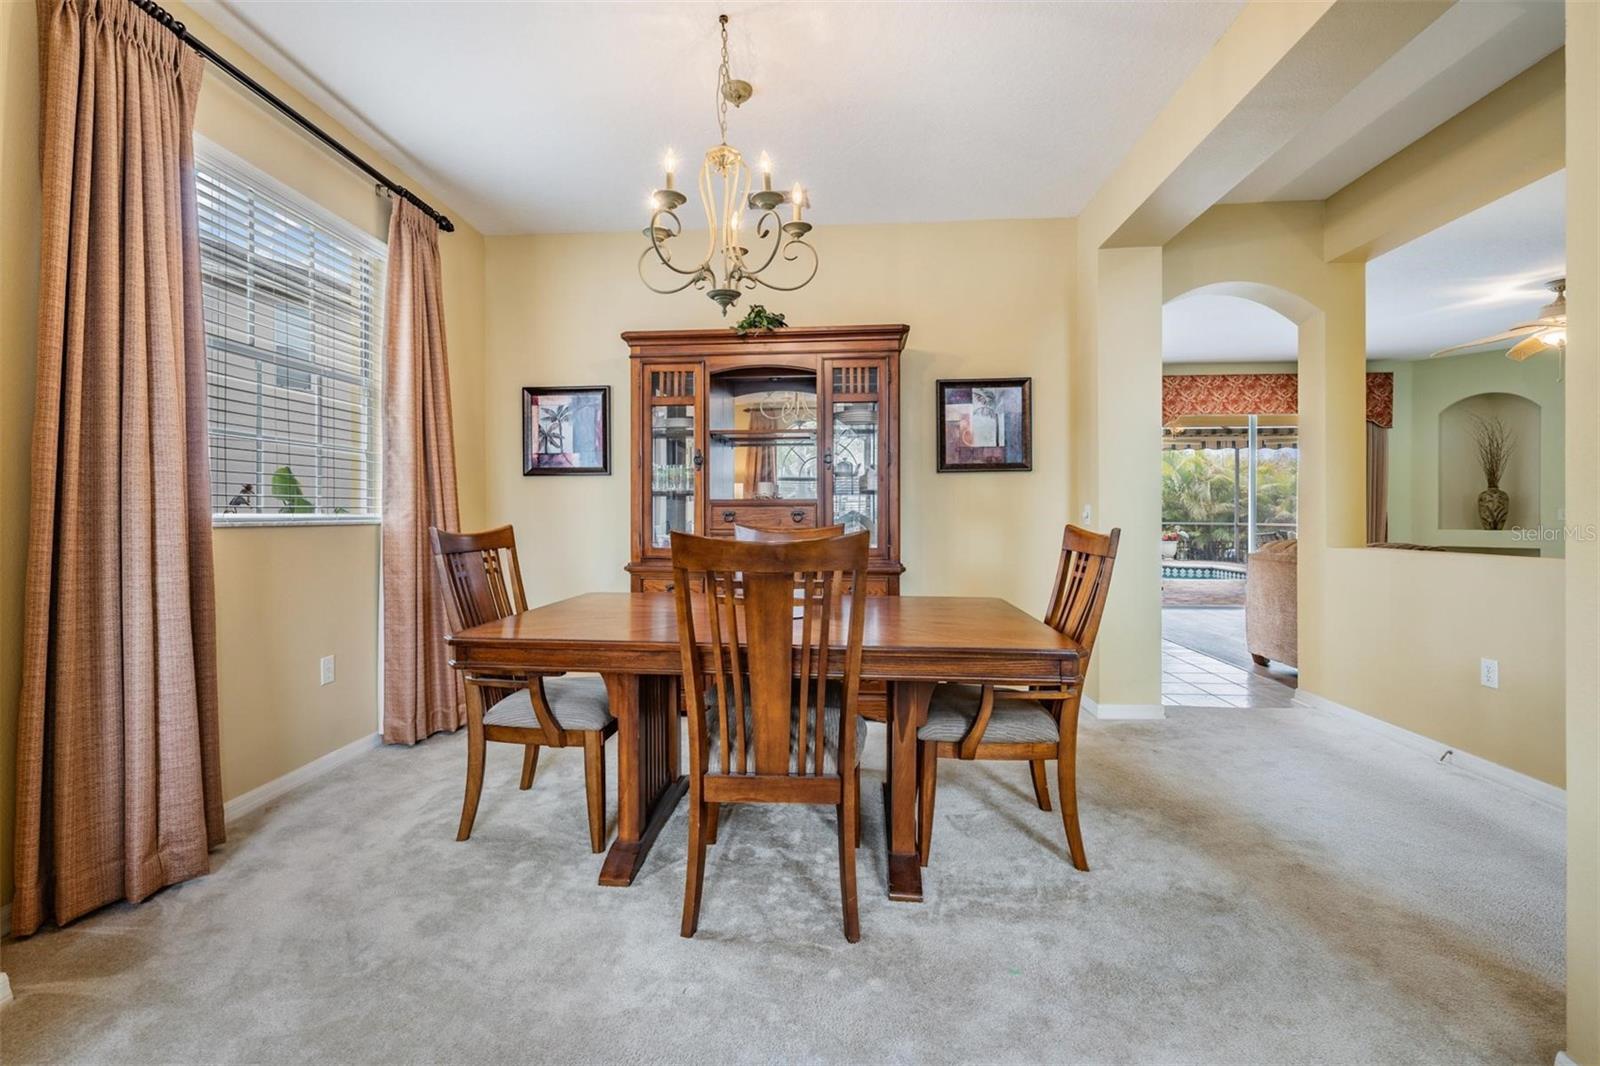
x=725, y=193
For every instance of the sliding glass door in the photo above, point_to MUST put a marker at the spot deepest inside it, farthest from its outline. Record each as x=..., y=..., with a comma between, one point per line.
x=1227, y=486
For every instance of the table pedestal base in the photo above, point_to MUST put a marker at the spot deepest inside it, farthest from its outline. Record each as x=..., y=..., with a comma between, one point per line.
x=646, y=709
x=908, y=709
x=626, y=856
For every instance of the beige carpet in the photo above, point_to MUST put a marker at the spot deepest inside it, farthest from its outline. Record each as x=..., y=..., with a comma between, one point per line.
x=1268, y=886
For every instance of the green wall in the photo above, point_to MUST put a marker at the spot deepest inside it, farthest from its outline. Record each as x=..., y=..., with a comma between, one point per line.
x=1423, y=389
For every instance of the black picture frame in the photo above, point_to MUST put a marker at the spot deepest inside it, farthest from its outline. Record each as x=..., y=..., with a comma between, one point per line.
x=588, y=422
x=1005, y=430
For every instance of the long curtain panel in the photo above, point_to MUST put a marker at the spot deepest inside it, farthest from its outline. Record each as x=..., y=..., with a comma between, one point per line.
x=421, y=694
x=118, y=784
x=1377, y=484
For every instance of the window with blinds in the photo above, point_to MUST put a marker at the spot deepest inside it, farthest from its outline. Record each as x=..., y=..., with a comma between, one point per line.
x=293, y=317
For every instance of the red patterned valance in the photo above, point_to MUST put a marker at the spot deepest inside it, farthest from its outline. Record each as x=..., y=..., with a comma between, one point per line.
x=1257, y=394
x=1380, y=400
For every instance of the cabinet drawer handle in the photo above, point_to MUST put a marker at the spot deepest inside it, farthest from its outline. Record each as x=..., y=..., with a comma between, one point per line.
x=797, y=515
x=727, y=516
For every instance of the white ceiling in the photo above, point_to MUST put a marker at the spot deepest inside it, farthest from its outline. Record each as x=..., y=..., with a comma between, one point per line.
x=1204, y=327
x=1470, y=278
x=1470, y=50
x=552, y=117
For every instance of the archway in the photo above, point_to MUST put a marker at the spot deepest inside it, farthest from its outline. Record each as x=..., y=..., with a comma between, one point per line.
x=1229, y=466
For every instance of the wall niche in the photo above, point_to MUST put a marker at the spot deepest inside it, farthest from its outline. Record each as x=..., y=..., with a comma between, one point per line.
x=1461, y=477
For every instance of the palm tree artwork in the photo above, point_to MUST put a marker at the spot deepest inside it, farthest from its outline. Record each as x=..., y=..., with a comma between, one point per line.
x=553, y=423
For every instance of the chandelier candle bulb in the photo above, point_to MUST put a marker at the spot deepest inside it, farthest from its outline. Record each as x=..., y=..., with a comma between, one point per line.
x=766, y=172
x=797, y=198
x=671, y=165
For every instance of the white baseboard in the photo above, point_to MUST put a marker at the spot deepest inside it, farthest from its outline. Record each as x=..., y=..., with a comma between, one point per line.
x=259, y=797
x=5, y=989
x=1124, y=712
x=1532, y=787
x=1563, y=1059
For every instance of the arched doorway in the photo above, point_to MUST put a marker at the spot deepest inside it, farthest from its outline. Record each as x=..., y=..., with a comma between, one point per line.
x=1229, y=477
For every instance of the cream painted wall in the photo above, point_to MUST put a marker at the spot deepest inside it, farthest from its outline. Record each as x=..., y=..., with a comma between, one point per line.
x=285, y=596
x=1125, y=677
x=1583, y=553
x=1406, y=635
x=275, y=714
x=982, y=298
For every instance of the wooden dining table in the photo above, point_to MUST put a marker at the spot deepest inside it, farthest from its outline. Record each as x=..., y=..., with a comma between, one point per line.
x=631, y=640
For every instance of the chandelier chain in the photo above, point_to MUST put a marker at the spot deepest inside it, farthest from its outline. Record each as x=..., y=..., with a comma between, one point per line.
x=724, y=76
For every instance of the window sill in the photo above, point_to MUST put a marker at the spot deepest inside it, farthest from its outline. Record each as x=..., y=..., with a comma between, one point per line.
x=275, y=521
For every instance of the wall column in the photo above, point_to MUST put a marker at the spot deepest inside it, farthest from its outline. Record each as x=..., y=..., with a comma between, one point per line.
x=1583, y=518
x=1126, y=290
x=1333, y=447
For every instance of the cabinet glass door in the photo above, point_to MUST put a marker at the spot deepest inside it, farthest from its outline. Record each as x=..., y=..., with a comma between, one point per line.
x=763, y=436
x=855, y=419
x=675, y=458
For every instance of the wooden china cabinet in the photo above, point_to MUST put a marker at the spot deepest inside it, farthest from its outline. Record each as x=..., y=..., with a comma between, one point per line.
x=790, y=429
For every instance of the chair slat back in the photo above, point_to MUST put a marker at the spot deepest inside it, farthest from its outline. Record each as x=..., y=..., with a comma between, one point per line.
x=766, y=683
x=785, y=536
x=1083, y=580
x=473, y=568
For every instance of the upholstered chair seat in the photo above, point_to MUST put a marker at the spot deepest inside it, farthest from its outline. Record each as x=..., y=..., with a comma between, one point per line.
x=577, y=702
x=955, y=707
x=831, y=720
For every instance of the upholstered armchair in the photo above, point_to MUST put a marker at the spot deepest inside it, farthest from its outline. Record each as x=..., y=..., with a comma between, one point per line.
x=1271, y=603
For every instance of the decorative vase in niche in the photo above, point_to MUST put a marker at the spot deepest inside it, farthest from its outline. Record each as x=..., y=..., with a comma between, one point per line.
x=1493, y=507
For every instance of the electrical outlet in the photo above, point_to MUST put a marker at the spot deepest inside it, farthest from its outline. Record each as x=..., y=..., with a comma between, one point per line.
x=327, y=669
x=1489, y=673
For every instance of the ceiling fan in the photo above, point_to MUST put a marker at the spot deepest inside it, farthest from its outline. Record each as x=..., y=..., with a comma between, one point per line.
x=1549, y=330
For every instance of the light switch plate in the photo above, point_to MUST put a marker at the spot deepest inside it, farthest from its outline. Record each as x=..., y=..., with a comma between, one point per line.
x=327, y=670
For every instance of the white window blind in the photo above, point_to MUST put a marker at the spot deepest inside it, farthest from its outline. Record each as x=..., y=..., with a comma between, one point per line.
x=293, y=317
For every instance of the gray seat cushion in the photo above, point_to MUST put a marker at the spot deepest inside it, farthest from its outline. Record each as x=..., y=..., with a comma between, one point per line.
x=830, y=734
x=578, y=702
x=955, y=707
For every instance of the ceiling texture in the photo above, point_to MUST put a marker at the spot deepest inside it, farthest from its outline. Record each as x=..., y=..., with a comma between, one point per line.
x=553, y=118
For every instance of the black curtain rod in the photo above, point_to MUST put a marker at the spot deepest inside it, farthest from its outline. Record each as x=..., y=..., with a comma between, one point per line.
x=165, y=17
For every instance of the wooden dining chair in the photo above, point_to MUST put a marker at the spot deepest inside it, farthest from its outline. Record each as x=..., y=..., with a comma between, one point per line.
x=985, y=722
x=759, y=736
x=536, y=711
x=785, y=536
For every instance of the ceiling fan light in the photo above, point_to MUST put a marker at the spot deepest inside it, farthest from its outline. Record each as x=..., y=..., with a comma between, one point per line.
x=1526, y=349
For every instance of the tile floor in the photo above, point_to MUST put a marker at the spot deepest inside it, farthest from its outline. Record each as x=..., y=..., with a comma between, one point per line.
x=1193, y=679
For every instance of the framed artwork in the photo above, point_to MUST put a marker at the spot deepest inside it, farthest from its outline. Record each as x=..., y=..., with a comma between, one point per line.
x=985, y=424
x=566, y=430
